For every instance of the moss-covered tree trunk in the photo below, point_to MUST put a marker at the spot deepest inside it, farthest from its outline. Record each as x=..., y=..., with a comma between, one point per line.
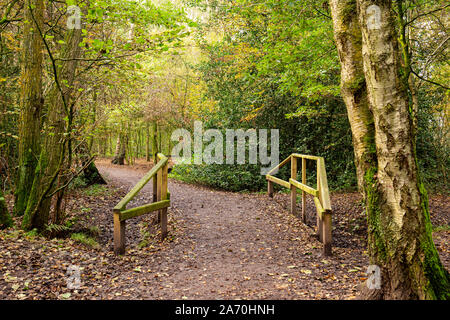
x=399, y=228
x=54, y=151
x=5, y=218
x=400, y=235
x=31, y=102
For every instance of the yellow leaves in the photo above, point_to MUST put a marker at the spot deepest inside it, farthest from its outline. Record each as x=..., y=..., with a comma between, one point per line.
x=305, y=271
x=137, y=269
x=282, y=286
x=252, y=114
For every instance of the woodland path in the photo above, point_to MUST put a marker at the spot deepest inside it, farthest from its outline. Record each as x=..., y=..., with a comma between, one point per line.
x=221, y=245
x=235, y=245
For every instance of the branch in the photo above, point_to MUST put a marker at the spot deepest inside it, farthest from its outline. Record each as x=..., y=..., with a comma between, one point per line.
x=425, y=14
x=73, y=177
x=430, y=81
x=322, y=14
x=7, y=12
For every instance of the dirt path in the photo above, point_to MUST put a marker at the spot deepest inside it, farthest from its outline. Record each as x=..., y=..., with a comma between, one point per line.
x=238, y=245
x=221, y=245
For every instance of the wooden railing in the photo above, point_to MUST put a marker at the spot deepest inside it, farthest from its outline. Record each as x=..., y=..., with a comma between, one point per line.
x=161, y=201
x=320, y=194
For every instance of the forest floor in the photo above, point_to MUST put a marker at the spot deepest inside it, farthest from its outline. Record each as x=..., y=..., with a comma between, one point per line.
x=221, y=245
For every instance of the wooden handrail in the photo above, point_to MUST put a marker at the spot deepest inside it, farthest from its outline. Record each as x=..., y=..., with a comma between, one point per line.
x=144, y=180
x=321, y=194
x=160, y=203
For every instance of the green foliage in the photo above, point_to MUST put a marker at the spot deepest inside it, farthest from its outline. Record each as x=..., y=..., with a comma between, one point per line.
x=433, y=147
x=222, y=176
x=57, y=228
x=275, y=68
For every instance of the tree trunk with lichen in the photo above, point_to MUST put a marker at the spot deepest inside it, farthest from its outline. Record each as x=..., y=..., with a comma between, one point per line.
x=53, y=154
x=119, y=157
x=347, y=34
x=399, y=227
x=155, y=149
x=31, y=103
x=5, y=218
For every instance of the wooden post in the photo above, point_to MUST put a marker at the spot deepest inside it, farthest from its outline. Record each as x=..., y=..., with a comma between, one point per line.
x=303, y=192
x=319, y=219
x=159, y=178
x=119, y=233
x=155, y=188
x=155, y=181
x=270, y=188
x=163, y=212
x=326, y=233
x=293, y=188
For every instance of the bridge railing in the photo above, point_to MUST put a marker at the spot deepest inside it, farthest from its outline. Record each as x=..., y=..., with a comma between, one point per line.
x=161, y=201
x=320, y=194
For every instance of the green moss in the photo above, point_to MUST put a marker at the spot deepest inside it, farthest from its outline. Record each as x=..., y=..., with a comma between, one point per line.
x=437, y=276
x=376, y=239
x=349, y=11
x=369, y=141
x=357, y=85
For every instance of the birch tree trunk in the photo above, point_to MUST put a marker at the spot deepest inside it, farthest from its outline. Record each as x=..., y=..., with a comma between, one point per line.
x=399, y=228
x=348, y=38
x=119, y=157
x=31, y=102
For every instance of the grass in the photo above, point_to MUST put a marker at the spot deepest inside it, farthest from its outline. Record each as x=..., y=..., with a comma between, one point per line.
x=94, y=230
x=84, y=239
x=95, y=190
x=444, y=227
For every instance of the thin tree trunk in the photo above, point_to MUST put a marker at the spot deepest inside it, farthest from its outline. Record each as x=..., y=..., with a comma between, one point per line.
x=31, y=103
x=155, y=141
x=147, y=141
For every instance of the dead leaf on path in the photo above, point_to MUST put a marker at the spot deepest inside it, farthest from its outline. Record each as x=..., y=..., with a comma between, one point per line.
x=306, y=271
